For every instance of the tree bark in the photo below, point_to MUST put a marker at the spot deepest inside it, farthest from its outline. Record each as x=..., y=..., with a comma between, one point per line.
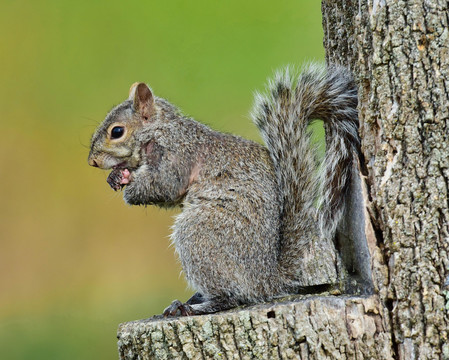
x=314, y=328
x=399, y=52
x=394, y=242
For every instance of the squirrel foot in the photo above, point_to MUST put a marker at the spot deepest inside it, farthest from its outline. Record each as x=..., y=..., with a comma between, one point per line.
x=177, y=307
x=200, y=305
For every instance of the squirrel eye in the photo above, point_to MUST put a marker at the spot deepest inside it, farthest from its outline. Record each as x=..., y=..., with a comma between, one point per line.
x=117, y=132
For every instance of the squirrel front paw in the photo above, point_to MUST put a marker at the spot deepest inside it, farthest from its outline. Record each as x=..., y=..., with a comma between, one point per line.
x=118, y=178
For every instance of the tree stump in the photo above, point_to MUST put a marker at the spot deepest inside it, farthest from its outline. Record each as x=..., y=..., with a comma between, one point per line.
x=326, y=327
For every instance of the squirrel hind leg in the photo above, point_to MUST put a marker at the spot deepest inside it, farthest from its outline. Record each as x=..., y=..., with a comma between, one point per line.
x=196, y=298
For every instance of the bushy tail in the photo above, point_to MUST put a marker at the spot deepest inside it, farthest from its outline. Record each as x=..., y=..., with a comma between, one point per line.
x=282, y=114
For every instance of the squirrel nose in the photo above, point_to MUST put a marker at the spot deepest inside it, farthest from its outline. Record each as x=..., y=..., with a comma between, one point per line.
x=92, y=162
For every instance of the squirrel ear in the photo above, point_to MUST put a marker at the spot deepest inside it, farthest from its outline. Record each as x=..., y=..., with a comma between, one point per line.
x=143, y=100
x=132, y=91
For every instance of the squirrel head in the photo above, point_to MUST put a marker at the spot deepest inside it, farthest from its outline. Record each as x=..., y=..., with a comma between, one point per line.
x=114, y=143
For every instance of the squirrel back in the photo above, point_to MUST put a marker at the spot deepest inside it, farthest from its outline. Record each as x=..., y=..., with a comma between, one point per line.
x=248, y=211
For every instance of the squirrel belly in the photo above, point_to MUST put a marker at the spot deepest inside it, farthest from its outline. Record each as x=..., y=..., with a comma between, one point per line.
x=249, y=211
x=227, y=236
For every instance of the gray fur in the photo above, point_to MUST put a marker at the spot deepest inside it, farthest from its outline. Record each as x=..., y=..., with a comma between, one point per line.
x=282, y=114
x=248, y=211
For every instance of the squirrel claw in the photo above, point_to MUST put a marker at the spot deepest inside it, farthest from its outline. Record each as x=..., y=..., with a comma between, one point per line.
x=176, y=308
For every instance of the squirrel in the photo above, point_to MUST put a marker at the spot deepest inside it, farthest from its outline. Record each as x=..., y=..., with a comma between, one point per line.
x=248, y=211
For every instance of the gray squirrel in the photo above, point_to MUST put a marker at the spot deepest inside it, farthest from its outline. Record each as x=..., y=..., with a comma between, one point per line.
x=249, y=211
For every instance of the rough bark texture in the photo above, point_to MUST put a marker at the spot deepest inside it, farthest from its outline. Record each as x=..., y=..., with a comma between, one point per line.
x=399, y=51
x=314, y=328
x=395, y=245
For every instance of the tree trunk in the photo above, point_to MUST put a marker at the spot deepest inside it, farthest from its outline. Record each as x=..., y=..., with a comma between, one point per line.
x=399, y=53
x=395, y=242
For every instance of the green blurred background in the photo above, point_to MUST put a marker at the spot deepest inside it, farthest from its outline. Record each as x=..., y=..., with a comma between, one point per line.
x=75, y=261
